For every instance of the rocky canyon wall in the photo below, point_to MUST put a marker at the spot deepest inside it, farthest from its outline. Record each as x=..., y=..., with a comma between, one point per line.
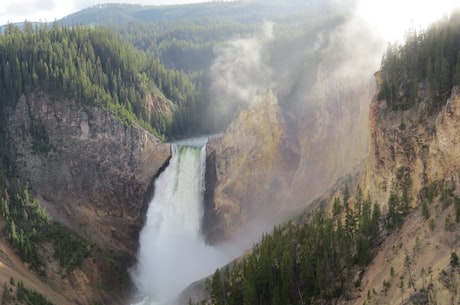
x=272, y=161
x=412, y=144
x=252, y=164
x=90, y=171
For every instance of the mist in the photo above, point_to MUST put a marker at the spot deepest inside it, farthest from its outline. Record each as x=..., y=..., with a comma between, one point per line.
x=239, y=71
x=172, y=251
x=323, y=78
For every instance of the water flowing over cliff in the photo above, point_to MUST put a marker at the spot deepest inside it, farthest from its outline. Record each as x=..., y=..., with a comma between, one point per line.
x=172, y=250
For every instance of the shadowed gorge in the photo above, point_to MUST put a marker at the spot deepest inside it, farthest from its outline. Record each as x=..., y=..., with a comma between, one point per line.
x=228, y=152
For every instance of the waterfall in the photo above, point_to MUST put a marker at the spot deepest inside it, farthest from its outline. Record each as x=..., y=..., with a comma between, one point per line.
x=172, y=252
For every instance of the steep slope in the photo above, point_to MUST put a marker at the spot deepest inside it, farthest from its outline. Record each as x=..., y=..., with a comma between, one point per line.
x=85, y=165
x=262, y=169
x=13, y=268
x=415, y=264
x=424, y=152
x=412, y=145
x=402, y=249
x=412, y=260
x=91, y=173
x=73, y=103
x=248, y=168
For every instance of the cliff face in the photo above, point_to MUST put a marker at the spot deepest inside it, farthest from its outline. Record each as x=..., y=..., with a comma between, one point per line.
x=412, y=144
x=271, y=161
x=414, y=264
x=332, y=133
x=252, y=164
x=89, y=171
x=445, y=147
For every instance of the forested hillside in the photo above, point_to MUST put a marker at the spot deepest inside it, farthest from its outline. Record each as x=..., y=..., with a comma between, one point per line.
x=428, y=63
x=176, y=53
x=95, y=67
x=195, y=39
x=84, y=71
x=309, y=259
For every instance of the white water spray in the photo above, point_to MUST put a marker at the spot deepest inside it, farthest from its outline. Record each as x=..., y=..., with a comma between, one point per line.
x=172, y=252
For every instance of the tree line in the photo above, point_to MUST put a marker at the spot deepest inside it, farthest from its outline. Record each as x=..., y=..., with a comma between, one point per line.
x=27, y=226
x=302, y=261
x=428, y=62
x=318, y=258
x=97, y=68
x=17, y=293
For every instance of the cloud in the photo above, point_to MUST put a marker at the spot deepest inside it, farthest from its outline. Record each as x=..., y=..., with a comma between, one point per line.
x=27, y=7
x=31, y=10
x=49, y=10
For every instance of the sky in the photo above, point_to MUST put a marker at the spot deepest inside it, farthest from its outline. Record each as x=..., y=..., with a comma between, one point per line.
x=393, y=18
x=49, y=10
x=390, y=18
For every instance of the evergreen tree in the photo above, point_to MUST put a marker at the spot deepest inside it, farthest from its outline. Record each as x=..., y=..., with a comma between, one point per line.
x=217, y=290
x=430, y=58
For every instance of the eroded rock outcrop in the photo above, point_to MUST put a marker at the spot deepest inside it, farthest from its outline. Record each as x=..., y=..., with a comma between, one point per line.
x=266, y=169
x=414, y=145
x=446, y=144
x=253, y=165
x=90, y=170
x=424, y=147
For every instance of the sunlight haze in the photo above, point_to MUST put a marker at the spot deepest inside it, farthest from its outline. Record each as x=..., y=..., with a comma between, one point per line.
x=49, y=10
x=392, y=18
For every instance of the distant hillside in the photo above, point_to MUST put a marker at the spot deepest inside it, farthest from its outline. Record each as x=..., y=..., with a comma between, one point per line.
x=236, y=11
x=428, y=63
x=190, y=39
x=94, y=67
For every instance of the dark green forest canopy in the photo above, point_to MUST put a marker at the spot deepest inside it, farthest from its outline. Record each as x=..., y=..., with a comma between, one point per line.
x=319, y=257
x=427, y=63
x=185, y=38
x=309, y=260
x=93, y=66
x=172, y=49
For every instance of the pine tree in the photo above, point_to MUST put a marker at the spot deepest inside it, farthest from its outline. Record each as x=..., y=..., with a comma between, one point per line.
x=217, y=290
x=425, y=210
x=249, y=292
x=393, y=204
x=457, y=71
